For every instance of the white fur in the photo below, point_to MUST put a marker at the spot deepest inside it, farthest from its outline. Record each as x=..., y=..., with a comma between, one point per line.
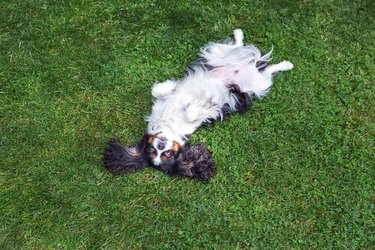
x=181, y=106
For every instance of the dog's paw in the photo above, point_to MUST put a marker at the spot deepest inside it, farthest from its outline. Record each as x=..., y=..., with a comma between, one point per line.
x=191, y=113
x=286, y=65
x=160, y=90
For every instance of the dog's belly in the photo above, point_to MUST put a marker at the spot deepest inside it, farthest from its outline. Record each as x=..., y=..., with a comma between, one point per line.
x=246, y=77
x=197, y=99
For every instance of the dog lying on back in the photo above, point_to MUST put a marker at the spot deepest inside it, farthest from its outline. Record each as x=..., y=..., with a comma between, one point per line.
x=223, y=80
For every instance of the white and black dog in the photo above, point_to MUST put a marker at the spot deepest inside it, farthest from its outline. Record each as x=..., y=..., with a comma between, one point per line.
x=223, y=80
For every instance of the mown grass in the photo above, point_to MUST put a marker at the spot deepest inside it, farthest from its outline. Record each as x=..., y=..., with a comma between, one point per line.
x=297, y=171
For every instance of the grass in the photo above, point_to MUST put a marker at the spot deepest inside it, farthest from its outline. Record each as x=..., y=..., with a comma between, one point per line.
x=296, y=171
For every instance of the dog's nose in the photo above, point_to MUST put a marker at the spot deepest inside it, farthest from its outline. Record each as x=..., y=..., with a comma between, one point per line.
x=161, y=146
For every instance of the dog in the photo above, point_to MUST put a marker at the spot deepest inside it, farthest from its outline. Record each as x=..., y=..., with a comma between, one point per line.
x=224, y=79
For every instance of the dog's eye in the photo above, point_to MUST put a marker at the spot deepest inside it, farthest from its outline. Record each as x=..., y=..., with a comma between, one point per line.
x=151, y=149
x=168, y=153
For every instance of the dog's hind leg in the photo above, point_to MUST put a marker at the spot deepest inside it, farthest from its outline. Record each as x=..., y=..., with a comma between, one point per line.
x=238, y=37
x=273, y=69
x=161, y=90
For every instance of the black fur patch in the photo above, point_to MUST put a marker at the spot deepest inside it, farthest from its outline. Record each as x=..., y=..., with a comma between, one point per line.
x=119, y=158
x=244, y=100
x=261, y=65
x=196, y=162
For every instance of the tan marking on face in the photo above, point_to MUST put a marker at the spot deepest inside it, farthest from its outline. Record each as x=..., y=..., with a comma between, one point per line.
x=150, y=139
x=176, y=146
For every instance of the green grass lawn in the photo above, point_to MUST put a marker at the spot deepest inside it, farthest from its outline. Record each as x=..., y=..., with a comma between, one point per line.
x=296, y=171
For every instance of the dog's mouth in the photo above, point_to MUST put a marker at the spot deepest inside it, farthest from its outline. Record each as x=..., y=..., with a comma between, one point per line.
x=162, y=167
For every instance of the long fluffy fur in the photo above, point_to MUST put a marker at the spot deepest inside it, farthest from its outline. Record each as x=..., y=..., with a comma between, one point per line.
x=196, y=162
x=119, y=159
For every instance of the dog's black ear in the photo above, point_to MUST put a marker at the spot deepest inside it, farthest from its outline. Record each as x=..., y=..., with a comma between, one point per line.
x=195, y=161
x=119, y=158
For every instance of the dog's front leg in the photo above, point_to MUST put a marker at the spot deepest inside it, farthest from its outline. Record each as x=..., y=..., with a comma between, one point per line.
x=161, y=90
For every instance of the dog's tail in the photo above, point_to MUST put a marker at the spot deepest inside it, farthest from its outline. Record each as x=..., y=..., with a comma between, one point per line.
x=220, y=54
x=235, y=53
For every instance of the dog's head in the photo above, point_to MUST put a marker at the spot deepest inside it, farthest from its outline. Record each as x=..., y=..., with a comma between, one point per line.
x=192, y=160
x=161, y=152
